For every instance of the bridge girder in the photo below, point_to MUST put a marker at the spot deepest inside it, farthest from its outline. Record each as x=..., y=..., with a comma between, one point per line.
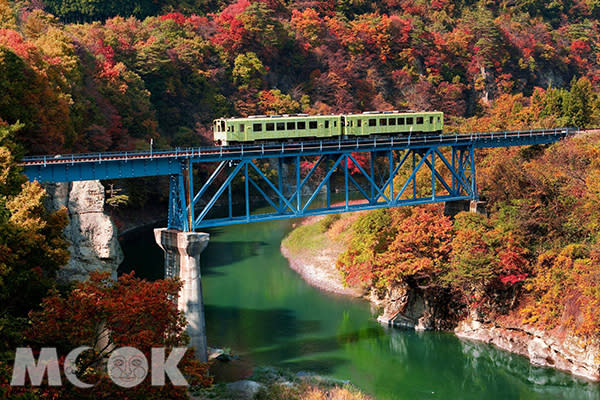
x=252, y=190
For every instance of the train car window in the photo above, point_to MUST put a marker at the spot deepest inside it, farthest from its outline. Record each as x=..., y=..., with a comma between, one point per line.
x=301, y=125
x=392, y=121
x=335, y=124
x=312, y=124
x=326, y=124
x=281, y=126
x=400, y=121
x=257, y=127
x=439, y=119
x=420, y=120
x=291, y=126
x=241, y=127
x=270, y=126
x=359, y=123
x=409, y=120
x=229, y=129
x=383, y=122
x=431, y=120
x=372, y=122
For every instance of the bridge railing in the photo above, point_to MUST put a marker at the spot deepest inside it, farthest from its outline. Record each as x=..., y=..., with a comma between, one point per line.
x=301, y=146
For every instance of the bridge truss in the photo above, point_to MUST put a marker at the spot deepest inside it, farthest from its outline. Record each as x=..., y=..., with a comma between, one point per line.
x=260, y=182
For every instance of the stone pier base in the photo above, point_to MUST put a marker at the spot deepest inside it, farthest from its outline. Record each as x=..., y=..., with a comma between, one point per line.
x=182, y=259
x=451, y=208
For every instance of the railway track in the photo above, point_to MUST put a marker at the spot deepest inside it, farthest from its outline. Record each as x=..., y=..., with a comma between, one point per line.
x=308, y=148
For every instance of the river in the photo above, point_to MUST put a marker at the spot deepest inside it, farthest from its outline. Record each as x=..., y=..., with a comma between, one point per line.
x=261, y=309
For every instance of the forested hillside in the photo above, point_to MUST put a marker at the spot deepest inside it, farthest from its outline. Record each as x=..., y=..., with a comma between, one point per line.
x=111, y=75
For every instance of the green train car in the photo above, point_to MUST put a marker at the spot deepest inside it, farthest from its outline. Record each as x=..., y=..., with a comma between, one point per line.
x=303, y=126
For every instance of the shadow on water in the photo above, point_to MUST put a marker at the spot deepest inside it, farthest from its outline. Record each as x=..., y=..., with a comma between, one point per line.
x=146, y=258
x=245, y=327
x=220, y=254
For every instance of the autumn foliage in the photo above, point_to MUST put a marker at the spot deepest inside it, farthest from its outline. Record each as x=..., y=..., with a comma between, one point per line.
x=105, y=315
x=163, y=70
x=535, y=258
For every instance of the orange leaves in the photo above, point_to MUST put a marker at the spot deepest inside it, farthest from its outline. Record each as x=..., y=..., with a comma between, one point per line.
x=309, y=26
x=390, y=246
x=567, y=290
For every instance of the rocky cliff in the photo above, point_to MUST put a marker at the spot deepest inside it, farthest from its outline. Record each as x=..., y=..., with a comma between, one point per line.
x=544, y=348
x=90, y=232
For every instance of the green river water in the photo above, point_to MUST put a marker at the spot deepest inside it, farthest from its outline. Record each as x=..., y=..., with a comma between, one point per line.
x=261, y=309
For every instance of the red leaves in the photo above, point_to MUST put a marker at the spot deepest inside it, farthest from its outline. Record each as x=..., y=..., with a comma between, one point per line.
x=105, y=315
x=177, y=17
x=131, y=311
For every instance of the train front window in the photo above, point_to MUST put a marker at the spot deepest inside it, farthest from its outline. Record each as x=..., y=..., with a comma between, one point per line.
x=291, y=126
x=222, y=126
x=257, y=127
x=439, y=120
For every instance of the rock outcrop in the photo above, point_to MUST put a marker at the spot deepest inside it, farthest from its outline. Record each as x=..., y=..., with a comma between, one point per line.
x=561, y=351
x=404, y=308
x=90, y=232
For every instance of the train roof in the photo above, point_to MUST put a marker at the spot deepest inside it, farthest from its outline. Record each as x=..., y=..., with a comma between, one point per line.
x=329, y=115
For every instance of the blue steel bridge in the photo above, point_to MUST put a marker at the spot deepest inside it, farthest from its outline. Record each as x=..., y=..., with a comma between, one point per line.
x=268, y=181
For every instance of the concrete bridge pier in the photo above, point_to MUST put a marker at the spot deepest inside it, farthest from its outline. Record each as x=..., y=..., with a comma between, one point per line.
x=182, y=259
x=451, y=208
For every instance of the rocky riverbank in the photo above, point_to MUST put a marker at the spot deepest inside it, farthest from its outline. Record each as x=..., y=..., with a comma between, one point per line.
x=236, y=379
x=308, y=252
x=312, y=254
x=554, y=349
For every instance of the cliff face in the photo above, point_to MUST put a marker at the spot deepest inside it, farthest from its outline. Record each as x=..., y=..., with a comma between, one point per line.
x=547, y=349
x=404, y=307
x=91, y=233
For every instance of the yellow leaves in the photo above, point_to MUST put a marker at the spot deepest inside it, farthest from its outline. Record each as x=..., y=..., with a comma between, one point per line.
x=7, y=15
x=25, y=207
x=6, y=162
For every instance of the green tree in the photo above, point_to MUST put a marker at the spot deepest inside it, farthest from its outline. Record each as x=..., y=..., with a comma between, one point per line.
x=32, y=247
x=579, y=102
x=248, y=71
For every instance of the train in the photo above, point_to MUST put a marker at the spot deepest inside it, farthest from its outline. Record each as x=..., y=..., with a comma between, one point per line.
x=291, y=127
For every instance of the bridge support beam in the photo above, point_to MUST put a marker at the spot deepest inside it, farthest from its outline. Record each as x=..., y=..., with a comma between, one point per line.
x=182, y=259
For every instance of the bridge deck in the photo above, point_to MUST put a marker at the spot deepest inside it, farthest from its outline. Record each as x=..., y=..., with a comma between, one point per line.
x=131, y=164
